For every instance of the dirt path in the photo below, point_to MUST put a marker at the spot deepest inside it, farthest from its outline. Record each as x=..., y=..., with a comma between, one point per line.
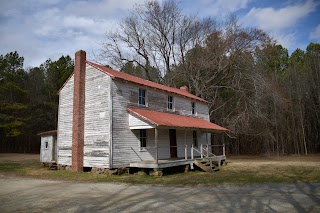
x=30, y=195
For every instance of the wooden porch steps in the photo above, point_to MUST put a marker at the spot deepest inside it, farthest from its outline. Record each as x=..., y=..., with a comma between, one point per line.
x=207, y=164
x=53, y=165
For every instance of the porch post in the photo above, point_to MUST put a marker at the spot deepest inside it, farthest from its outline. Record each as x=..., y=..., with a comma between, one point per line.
x=156, y=142
x=186, y=145
x=224, y=149
x=192, y=151
x=207, y=144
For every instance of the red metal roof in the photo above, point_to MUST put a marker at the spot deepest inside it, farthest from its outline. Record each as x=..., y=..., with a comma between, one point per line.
x=51, y=132
x=131, y=78
x=173, y=120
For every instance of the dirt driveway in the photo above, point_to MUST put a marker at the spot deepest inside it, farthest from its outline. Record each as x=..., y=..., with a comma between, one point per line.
x=31, y=195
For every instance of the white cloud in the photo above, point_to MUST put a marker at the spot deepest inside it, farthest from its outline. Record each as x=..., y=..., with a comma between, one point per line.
x=39, y=30
x=288, y=40
x=222, y=7
x=278, y=19
x=315, y=34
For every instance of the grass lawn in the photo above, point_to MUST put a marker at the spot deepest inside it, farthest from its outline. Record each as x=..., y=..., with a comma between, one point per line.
x=239, y=170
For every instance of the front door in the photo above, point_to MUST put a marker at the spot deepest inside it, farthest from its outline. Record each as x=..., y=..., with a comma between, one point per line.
x=173, y=143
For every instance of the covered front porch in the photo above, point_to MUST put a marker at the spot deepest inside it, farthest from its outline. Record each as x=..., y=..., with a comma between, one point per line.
x=176, y=141
x=161, y=164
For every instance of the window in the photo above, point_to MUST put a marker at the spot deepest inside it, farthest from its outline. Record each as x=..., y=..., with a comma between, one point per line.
x=142, y=97
x=170, y=102
x=46, y=145
x=193, y=106
x=143, y=138
x=195, y=138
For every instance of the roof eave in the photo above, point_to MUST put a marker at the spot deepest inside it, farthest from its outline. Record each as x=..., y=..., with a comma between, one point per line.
x=115, y=77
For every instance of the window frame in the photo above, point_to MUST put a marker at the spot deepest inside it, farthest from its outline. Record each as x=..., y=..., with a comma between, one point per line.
x=195, y=138
x=142, y=99
x=193, y=108
x=170, y=102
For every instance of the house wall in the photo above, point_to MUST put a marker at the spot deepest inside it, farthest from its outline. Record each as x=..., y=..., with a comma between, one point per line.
x=137, y=123
x=47, y=154
x=157, y=100
x=65, y=119
x=97, y=120
x=126, y=144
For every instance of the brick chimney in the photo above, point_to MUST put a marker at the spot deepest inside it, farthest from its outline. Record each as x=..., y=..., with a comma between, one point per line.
x=78, y=111
x=185, y=88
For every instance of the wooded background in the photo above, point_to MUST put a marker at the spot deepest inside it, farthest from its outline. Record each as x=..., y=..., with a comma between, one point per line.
x=268, y=99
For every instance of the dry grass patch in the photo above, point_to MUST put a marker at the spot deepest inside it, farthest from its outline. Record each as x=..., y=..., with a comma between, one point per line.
x=239, y=170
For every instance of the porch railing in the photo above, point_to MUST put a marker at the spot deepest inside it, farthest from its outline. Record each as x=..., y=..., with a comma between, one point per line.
x=203, y=150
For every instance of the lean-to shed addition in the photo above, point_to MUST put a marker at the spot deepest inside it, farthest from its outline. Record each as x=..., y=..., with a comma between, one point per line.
x=48, y=148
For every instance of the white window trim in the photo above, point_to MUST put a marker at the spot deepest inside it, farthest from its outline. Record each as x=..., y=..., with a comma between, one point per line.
x=195, y=108
x=145, y=97
x=173, y=103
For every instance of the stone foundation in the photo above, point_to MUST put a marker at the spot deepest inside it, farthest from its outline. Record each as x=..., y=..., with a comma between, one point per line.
x=156, y=172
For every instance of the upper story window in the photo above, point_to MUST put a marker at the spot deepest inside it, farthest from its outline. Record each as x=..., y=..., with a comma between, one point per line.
x=193, y=106
x=170, y=102
x=195, y=138
x=142, y=97
x=143, y=138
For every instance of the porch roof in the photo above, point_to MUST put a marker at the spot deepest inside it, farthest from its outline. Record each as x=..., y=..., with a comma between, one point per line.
x=163, y=119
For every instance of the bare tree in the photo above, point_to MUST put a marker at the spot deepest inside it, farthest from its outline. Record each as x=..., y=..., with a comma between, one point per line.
x=157, y=36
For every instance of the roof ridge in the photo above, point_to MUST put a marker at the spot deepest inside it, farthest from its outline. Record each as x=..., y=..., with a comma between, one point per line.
x=117, y=74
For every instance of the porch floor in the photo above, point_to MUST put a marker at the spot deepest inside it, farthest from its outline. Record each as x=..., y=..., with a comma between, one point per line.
x=161, y=163
x=169, y=162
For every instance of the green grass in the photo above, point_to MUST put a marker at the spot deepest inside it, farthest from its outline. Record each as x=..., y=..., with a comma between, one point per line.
x=240, y=170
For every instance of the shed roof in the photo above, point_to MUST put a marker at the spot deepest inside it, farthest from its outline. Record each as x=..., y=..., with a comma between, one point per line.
x=51, y=132
x=173, y=120
x=134, y=79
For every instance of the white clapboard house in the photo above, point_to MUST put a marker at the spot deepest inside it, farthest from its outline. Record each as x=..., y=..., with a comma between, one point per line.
x=109, y=119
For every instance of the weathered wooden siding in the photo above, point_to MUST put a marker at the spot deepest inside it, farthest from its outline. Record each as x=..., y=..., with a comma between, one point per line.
x=189, y=136
x=137, y=123
x=47, y=154
x=65, y=118
x=157, y=100
x=97, y=119
x=126, y=144
x=183, y=107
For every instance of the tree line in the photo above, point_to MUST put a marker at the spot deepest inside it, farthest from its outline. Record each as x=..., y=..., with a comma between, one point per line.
x=268, y=99
x=29, y=100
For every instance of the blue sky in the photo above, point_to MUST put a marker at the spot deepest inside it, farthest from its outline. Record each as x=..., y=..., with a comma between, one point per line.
x=43, y=29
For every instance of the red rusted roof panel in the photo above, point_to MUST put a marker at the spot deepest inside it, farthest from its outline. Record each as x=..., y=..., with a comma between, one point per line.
x=173, y=120
x=51, y=132
x=131, y=78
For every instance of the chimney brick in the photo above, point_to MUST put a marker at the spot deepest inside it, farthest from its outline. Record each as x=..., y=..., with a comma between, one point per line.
x=185, y=88
x=78, y=111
